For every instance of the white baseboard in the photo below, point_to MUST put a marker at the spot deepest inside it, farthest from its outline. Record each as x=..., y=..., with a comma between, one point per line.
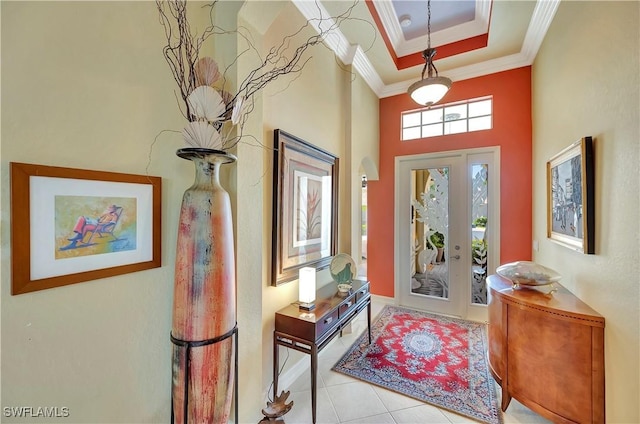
x=384, y=299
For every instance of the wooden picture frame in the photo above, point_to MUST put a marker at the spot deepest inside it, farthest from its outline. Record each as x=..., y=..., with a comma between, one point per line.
x=73, y=225
x=570, y=197
x=305, y=207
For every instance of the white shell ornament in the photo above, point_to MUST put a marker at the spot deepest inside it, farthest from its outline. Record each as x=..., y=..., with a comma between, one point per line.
x=206, y=103
x=207, y=71
x=237, y=110
x=202, y=134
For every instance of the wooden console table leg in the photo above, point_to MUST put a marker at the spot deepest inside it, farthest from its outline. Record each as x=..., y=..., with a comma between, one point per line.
x=276, y=365
x=369, y=320
x=314, y=374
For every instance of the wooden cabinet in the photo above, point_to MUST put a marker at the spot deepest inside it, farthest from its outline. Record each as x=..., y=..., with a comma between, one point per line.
x=547, y=351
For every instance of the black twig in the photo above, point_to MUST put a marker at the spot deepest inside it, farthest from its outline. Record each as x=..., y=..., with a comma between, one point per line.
x=182, y=52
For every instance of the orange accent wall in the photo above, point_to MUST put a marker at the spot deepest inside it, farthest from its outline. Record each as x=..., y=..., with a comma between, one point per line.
x=511, y=91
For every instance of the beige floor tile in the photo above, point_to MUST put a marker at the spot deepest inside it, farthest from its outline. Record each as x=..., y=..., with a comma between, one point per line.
x=330, y=377
x=357, y=329
x=376, y=419
x=335, y=349
x=457, y=418
x=419, y=415
x=394, y=401
x=355, y=400
x=301, y=411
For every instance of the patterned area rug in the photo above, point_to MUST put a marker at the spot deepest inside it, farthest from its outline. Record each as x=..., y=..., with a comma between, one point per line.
x=435, y=359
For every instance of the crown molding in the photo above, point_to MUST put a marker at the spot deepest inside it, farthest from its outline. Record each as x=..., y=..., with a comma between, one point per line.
x=538, y=26
x=479, y=26
x=402, y=47
x=364, y=67
x=349, y=54
x=316, y=14
x=391, y=26
x=541, y=19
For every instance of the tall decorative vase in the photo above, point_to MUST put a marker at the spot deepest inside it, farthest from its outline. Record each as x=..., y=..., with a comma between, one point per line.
x=204, y=302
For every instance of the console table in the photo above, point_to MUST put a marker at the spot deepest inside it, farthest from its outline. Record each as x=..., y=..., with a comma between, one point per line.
x=311, y=331
x=547, y=351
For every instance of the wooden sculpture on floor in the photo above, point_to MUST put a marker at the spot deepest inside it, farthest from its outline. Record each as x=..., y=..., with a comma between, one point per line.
x=277, y=409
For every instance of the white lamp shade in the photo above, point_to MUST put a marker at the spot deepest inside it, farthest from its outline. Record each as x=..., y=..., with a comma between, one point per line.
x=429, y=90
x=307, y=285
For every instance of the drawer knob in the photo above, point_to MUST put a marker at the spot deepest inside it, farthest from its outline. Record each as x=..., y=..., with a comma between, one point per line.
x=348, y=304
x=328, y=320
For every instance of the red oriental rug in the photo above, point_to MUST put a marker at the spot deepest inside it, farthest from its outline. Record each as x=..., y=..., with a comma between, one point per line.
x=435, y=359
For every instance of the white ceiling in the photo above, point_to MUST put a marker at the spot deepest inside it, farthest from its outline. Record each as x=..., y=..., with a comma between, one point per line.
x=445, y=14
x=473, y=38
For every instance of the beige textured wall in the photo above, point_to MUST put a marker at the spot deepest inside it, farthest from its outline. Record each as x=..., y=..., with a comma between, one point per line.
x=314, y=105
x=585, y=82
x=365, y=133
x=84, y=85
x=311, y=107
x=83, y=79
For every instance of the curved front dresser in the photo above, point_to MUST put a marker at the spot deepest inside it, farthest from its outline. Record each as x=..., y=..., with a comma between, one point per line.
x=547, y=351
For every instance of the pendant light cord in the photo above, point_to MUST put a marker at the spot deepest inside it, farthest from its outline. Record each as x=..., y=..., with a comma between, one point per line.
x=429, y=53
x=428, y=24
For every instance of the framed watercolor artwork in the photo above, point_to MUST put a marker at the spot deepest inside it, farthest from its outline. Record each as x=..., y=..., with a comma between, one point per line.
x=305, y=205
x=73, y=225
x=570, y=197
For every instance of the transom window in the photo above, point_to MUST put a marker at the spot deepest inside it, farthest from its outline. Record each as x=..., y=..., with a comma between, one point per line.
x=452, y=118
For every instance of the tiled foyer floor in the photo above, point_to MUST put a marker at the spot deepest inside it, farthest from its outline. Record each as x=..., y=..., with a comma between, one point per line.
x=342, y=399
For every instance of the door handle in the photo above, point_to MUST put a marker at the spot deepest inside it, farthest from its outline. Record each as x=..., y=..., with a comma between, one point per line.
x=455, y=257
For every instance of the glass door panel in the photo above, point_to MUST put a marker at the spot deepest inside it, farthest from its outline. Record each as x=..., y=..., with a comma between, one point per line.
x=431, y=207
x=430, y=232
x=479, y=215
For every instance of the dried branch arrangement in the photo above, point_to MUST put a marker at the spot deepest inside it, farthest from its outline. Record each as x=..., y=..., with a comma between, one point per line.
x=217, y=116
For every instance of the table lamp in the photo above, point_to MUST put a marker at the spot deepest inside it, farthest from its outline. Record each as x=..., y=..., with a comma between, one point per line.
x=307, y=288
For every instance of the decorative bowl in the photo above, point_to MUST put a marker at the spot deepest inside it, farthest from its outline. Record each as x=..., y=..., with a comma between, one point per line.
x=344, y=288
x=528, y=274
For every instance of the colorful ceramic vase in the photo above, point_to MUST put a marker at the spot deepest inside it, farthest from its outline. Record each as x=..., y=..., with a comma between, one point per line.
x=204, y=302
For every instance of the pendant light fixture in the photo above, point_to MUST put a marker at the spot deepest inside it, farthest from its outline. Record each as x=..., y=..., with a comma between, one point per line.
x=429, y=90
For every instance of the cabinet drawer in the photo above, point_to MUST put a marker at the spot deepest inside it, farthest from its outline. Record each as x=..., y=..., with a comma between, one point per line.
x=362, y=293
x=327, y=322
x=347, y=306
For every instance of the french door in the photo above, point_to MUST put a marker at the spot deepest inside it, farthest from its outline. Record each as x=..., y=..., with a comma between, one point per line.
x=445, y=236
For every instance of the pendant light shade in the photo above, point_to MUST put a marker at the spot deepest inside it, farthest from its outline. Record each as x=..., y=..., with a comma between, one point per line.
x=432, y=89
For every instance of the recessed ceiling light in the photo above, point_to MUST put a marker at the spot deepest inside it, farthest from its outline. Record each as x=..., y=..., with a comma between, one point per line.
x=405, y=21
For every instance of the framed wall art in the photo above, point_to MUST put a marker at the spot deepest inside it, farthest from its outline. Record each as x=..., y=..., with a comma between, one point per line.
x=570, y=197
x=305, y=205
x=73, y=225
